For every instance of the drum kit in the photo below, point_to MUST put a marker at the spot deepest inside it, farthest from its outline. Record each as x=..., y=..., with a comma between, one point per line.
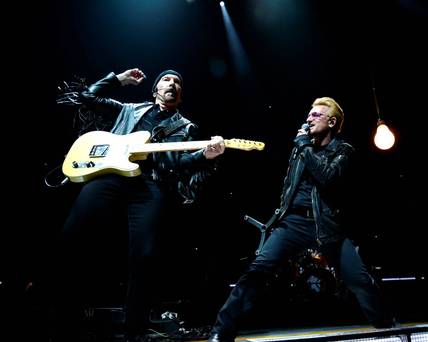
x=312, y=277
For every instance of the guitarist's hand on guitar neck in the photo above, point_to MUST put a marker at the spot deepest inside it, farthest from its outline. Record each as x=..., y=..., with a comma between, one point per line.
x=215, y=147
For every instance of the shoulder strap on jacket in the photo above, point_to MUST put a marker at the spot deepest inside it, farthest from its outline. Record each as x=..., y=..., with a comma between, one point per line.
x=168, y=130
x=175, y=126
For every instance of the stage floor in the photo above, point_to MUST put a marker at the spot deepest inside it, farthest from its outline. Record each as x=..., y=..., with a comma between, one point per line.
x=417, y=331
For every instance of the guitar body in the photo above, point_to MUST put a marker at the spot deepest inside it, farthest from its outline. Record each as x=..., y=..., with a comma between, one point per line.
x=98, y=152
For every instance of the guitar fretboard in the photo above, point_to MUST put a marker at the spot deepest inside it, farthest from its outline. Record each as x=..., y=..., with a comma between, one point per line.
x=169, y=146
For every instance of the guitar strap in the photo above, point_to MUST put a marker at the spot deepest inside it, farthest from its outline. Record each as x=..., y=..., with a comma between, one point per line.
x=163, y=131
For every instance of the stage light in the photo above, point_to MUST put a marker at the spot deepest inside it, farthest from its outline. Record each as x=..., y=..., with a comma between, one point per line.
x=399, y=278
x=384, y=139
x=240, y=59
x=419, y=337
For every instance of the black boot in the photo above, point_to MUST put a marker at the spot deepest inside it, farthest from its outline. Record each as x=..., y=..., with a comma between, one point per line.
x=237, y=306
x=215, y=337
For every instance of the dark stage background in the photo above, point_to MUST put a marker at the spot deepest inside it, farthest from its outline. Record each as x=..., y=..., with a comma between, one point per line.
x=297, y=51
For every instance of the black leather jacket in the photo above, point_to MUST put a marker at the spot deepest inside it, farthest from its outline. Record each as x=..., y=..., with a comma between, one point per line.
x=183, y=170
x=328, y=170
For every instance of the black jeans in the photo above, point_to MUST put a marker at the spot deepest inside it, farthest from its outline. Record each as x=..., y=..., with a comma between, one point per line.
x=143, y=204
x=293, y=235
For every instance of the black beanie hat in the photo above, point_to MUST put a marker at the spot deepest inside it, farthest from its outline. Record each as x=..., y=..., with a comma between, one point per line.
x=163, y=73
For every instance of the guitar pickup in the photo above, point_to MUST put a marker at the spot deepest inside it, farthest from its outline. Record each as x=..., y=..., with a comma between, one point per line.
x=86, y=164
x=98, y=151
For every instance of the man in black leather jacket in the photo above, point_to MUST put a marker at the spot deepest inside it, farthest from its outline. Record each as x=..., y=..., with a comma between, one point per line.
x=142, y=198
x=309, y=217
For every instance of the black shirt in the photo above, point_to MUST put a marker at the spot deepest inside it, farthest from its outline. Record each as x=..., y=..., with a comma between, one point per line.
x=152, y=118
x=302, y=197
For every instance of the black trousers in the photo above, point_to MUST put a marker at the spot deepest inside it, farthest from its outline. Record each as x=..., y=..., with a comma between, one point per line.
x=293, y=235
x=143, y=204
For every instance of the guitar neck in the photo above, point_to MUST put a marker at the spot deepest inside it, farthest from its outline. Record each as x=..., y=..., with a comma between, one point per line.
x=169, y=146
x=141, y=150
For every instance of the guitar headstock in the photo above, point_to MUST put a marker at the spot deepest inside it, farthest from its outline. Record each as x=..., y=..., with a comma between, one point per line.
x=243, y=144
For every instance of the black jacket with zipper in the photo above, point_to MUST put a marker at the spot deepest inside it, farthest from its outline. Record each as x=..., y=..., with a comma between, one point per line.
x=329, y=170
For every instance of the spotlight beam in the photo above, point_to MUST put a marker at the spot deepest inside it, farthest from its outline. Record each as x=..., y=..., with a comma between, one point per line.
x=239, y=57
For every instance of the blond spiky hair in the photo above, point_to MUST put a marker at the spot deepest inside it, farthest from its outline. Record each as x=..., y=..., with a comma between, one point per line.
x=335, y=110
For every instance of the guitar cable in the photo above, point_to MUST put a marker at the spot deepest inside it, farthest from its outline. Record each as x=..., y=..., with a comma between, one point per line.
x=58, y=185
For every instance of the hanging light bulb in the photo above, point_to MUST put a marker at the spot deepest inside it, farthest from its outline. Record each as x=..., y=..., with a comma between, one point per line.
x=384, y=139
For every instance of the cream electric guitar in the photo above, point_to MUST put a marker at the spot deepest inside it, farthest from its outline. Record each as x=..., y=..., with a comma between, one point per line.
x=98, y=152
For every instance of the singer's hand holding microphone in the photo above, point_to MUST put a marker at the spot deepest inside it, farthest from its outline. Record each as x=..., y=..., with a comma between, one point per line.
x=305, y=129
x=303, y=138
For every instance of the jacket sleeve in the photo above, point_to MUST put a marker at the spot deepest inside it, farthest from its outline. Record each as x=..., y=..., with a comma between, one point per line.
x=95, y=97
x=195, y=161
x=324, y=170
x=196, y=171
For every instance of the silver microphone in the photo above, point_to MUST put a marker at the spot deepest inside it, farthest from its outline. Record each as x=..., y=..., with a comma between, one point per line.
x=306, y=127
